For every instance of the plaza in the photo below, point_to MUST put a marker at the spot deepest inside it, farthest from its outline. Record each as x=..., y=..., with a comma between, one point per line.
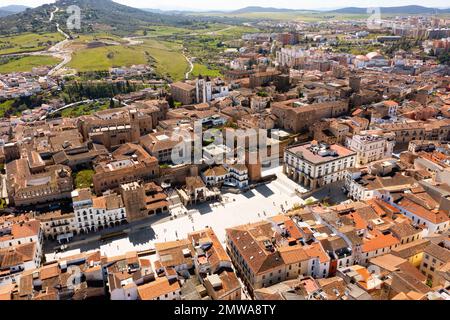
x=235, y=209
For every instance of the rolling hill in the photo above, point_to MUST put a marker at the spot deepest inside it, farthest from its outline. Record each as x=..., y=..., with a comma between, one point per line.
x=10, y=10
x=394, y=10
x=14, y=8
x=255, y=9
x=411, y=9
x=96, y=15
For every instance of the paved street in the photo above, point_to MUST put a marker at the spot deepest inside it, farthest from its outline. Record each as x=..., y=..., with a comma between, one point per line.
x=265, y=201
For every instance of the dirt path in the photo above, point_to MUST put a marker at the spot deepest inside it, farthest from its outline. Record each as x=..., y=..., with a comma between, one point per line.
x=191, y=66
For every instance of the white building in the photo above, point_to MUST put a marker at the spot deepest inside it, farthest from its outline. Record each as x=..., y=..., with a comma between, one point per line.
x=357, y=188
x=20, y=249
x=238, y=175
x=235, y=175
x=57, y=226
x=434, y=220
x=207, y=89
x=316, y=164
x=217, y=154
x=291, y=57
x=97, y=213
x=370, y=148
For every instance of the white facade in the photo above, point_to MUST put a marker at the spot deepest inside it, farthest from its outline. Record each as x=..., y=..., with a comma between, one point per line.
x=207, y=90
x=432, y=227
x=61, y=228
x=291, y=57
x=317, y=173
x=93, y=215
x=10, y=240
x=126, y=293
x=370, y=148
x=318, y=270
x=358, y=192
x=238, y=176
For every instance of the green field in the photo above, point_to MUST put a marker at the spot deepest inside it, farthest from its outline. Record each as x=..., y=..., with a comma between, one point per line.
x=203, y=70
x=85, y=109
x=163, y=31
x=83, y=179
x=28, y=42
x=27, y=63
x=166, y=57
x=103, y=58
x=5, y=106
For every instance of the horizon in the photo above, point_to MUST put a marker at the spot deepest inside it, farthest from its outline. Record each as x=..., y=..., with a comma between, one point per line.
x=205, y=5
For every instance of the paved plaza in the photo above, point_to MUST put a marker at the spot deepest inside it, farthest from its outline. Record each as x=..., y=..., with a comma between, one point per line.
x=260, y=203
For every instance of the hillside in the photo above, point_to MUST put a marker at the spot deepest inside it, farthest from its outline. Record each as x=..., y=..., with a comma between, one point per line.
x=14, y=8
x=4, y=13
x=260, y=9
x=394, y=10
x=96, y=15
x=10, y=10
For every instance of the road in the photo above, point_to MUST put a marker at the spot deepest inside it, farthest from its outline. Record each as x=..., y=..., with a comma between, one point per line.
x=60, y=50
x=191, y=66
x=66, y=107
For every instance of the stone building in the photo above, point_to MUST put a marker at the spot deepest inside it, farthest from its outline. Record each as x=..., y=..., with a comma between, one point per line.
x=292, y=115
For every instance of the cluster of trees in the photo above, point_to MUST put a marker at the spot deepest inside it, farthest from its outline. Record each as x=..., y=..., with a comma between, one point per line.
x=404, y=44
x=76, y=91
x=444, y=58
x=21, y=104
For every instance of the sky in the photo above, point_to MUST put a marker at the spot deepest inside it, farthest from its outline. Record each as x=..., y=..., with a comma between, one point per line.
x=236, y=4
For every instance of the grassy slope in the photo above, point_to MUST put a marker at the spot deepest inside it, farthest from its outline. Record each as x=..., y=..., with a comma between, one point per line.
x=5, y=106
x=85, y=109
x=27, y=63
x=167, y=56
x=203, y=70
x=28, y=42
x=99, y=59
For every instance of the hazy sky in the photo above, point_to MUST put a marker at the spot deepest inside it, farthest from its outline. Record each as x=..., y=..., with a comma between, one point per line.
x=236, y=4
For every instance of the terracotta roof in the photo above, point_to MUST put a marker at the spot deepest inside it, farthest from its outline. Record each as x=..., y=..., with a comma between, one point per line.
x=157, y=288
x=380, y=241
x=433, y=216
x=49, y=271
x=293, y=254
x=316, y=251
x=438, y=252
x=249, y=241
x=26, y=230
x=411, y=249
x=216, y=171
